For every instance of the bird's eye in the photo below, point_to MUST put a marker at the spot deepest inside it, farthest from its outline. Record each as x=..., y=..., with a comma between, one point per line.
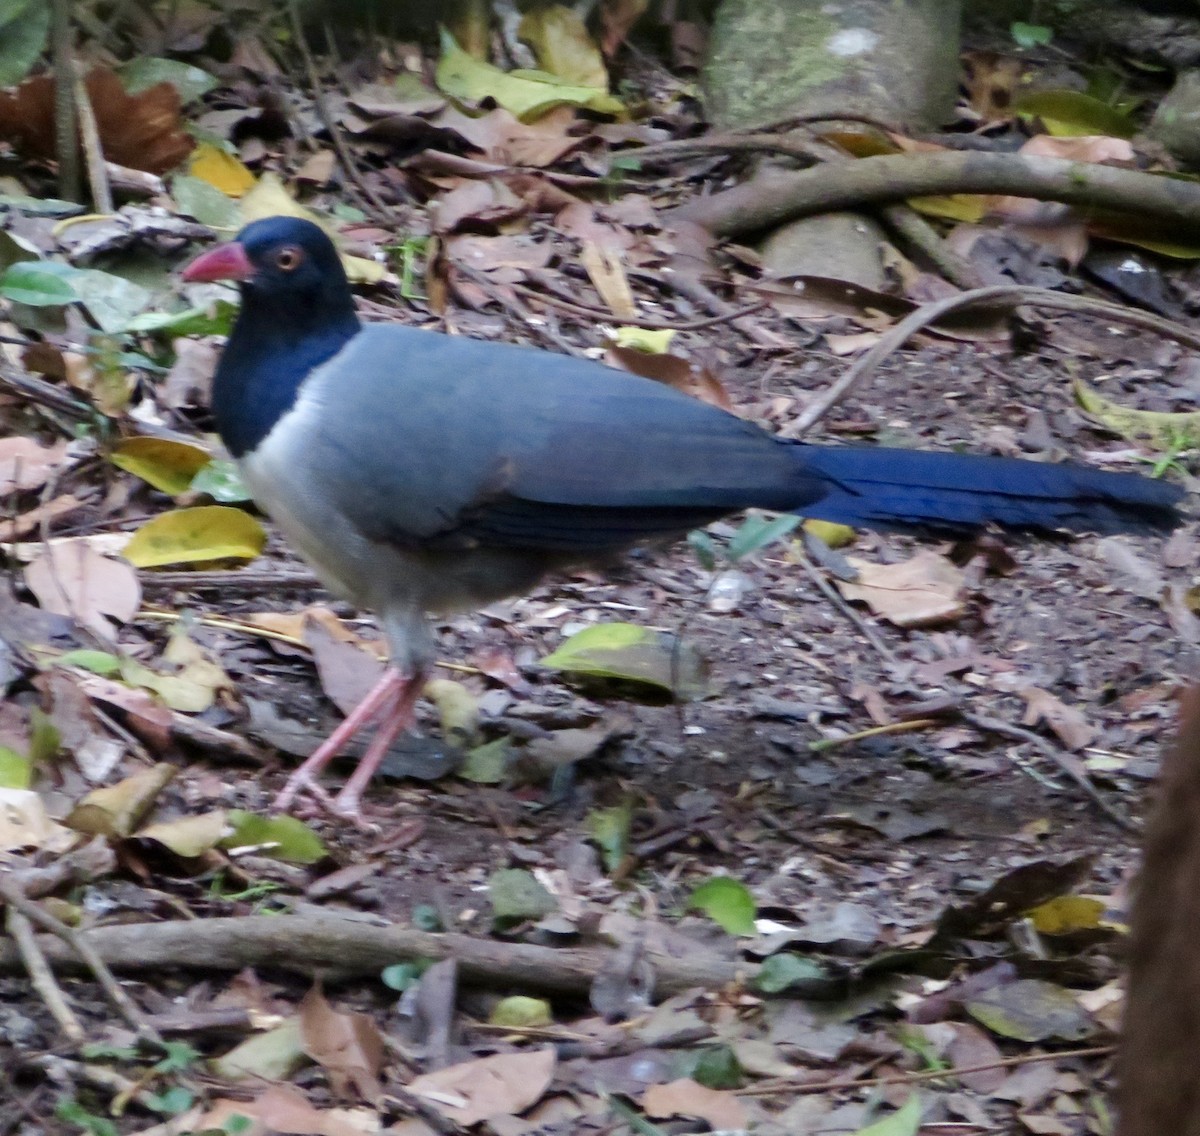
x=288, y=258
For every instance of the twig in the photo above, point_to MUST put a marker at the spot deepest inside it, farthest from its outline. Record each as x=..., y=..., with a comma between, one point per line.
x=784, y=1085
x=93, y=150
x=834, y=597
x=1001, y=295
x=874, y=732
x=311, y=943
x=368, y=200
x=923, y=237
x=646, y=322
x=66, y=138
x=1018, y=733
x=243, y=581
x=41, y=976
x=25, y=909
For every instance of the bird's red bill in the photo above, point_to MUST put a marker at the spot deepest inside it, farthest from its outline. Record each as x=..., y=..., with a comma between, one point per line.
x=226, y=262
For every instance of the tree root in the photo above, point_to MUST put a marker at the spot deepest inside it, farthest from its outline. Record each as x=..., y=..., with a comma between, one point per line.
x=339, y=947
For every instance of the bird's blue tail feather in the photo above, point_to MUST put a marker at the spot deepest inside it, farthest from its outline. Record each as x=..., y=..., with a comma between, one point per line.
x=915, y=490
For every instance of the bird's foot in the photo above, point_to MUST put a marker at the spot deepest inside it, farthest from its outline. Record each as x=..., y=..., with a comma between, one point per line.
x=345, y=806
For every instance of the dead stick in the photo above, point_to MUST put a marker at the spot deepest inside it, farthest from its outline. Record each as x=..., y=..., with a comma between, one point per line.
x=773, y=197
x=785, y=1085
x=27, y=947
x=308, y=944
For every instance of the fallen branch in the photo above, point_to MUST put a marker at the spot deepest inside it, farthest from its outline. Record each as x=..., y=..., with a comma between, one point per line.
x=775, y=196
x=311, y=943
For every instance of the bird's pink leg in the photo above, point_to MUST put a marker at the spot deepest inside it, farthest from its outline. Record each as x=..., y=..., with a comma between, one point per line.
x=398, y=718
x=384, y=698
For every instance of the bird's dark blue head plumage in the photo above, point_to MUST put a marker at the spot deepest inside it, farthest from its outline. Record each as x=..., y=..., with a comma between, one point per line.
x=297, y=313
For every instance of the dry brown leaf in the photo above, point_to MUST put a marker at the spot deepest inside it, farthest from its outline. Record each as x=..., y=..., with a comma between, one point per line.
x=142, y=131
x=479, y=204
x=607, y=276
x=691, y=378
x=78, y=581
x=685, y=1097
x=284, y=1108
x=348, y=1047
x=924, y=590
x=25, y=464
x=34, y=518
x=1067, y=722
x=502, y=1085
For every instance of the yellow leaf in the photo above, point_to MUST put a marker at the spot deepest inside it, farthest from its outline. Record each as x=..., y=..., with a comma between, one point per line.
x=527, y=94
x=116, y=810
x=970, y=207
x=221, y=170
x=643, y=339
x=1067, y=913
x=833, y=534
x=186, y=536
x=166, y=464
x=563, y=47
x=1159, y=429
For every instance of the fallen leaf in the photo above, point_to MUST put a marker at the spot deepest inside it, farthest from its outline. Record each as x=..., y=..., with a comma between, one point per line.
x=1067, y=722
x=26, y=464
x=166, y=464
x=348, y=1047
x=142, y=131
x=78, y=581
x=502, y=1085
x=116, y=810
x=720, y=1109
x=923, y=590
x=190, y=536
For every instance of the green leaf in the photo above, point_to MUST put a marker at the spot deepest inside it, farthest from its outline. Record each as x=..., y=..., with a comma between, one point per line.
x=34, y=283
x=198, y=198
x=632, y=653
x=98, y=662
x=222, y=482
x=401, y=976
x=521, y=1012
x=40, y=206
x=705, y=549
x=68, y=1109
x=789, y=971
x=757, y=532
x=426, y=917
x=609, y=828
x=714, y=1066
x=16, y=771
x=111, y=300
x=516, y=895
x=1031, y=35
x=527, y=94
x=175, y=1100
x=44, y=737
x=214, y=319
x=24, y=25
x=148, y=70
x=726, y=902
x=487, y=764
x=1068, y=113
x=905, y=1121
x=294, y=841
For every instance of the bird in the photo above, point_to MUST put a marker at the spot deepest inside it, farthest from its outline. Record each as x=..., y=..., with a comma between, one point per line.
x=424, y=473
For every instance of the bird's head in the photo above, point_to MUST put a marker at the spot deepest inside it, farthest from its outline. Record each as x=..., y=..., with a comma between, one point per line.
x=283, y=263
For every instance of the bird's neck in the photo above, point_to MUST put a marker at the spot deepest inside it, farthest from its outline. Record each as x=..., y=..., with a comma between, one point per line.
x=272, y=350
